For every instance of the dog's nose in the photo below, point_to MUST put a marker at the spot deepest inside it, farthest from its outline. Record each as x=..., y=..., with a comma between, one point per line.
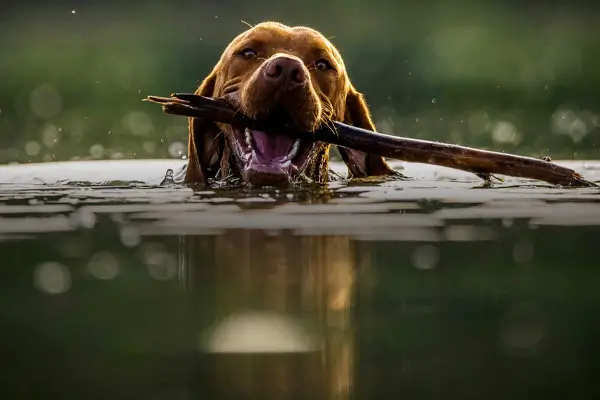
x=286, y=72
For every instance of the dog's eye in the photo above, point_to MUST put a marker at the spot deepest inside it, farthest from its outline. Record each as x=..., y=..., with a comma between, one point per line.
x=248, y=53
x=323, y=65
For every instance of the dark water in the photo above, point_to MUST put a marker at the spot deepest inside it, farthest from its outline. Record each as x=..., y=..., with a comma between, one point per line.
x=432, y=288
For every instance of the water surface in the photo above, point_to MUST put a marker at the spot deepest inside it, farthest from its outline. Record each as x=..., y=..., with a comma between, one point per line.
x=116, y=286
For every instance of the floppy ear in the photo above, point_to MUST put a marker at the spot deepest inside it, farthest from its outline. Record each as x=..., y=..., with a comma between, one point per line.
x=204, y=143
x=361, y=164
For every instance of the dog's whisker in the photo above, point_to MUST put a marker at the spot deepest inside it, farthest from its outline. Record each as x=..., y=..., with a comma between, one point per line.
x=247, y=24
x=216, y=138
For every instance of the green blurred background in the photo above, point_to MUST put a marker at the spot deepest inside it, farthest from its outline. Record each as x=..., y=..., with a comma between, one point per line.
x=506, y=75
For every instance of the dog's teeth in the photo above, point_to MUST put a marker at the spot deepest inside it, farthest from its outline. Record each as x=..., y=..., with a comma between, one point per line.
x=248, y=137
x=294, y=152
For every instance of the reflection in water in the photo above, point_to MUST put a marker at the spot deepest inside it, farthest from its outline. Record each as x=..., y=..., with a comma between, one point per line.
x=281, y=310
x=244, y=313
x=258, y=332
x=421, y=289
x=259, y=314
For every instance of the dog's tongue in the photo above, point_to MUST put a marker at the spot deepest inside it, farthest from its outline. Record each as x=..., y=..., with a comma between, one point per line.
x=272, y=146
x=269, y=163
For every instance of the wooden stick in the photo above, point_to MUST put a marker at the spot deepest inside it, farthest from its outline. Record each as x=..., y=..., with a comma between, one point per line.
x=480, y=162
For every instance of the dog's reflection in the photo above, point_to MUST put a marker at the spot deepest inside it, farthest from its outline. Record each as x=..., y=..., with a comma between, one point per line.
x=282, y=311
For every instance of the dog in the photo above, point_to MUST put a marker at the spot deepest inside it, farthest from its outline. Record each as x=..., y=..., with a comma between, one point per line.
x=290, y=74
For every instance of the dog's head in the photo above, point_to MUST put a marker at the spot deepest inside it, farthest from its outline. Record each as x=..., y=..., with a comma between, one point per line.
x=290, y=74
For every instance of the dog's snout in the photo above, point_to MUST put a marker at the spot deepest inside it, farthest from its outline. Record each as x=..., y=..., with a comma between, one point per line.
x=286, y=72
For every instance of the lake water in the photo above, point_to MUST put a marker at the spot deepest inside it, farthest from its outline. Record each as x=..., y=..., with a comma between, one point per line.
x=116, y=287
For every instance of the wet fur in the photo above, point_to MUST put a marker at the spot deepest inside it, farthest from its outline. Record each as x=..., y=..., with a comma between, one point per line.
x=327, y=96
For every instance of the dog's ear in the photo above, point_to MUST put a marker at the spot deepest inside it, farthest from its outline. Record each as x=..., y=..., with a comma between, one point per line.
x=361, y=164
x=205, y=145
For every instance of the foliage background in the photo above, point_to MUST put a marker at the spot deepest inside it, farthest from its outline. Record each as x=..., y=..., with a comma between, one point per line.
x=513, y=76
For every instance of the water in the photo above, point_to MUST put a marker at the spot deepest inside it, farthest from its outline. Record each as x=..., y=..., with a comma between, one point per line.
x=114, y=286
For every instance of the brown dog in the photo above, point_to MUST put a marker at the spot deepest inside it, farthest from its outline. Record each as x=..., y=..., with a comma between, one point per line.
x=292, y=74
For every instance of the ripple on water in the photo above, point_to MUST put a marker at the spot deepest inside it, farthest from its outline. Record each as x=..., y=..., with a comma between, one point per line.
x=437, y=204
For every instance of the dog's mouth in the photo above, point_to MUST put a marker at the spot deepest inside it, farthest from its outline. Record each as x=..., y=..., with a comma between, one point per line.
x=270, y=159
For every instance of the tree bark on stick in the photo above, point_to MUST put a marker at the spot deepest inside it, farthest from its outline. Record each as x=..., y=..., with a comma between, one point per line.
x=481, y=162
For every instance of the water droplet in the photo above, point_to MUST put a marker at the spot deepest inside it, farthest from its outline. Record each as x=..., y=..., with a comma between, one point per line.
x=160, y=263
x=562, y=120
x=505, y=132
x=32, y=148
x=130, y=237
x=73, y=11
x=425, y=257
x=52, y=278
x=168, y=179
x=578, y=130
x=50, y=135
x=104, y=266
x=162, y=266
x=139, y=123
x=176, y=149
x=97, y=151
